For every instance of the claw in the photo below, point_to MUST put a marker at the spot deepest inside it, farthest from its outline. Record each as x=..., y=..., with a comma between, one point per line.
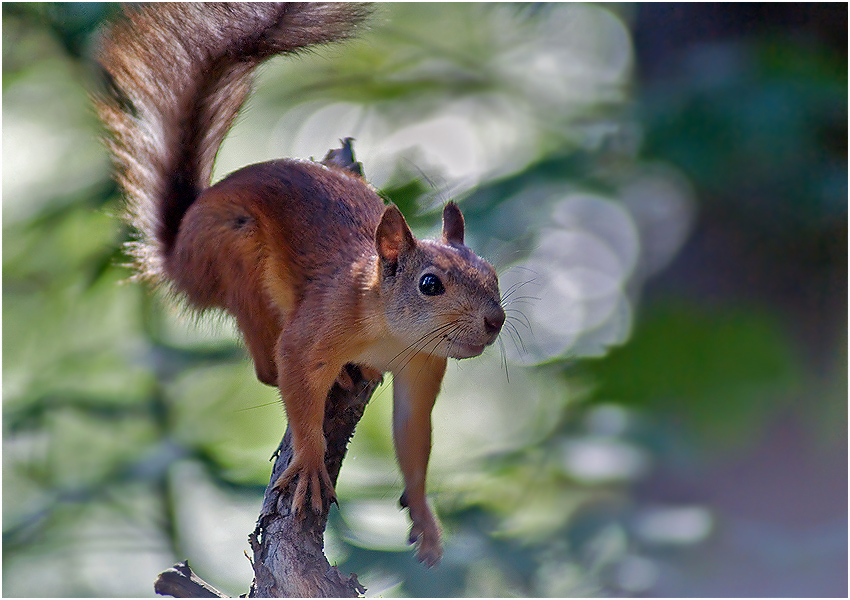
x=314, y=479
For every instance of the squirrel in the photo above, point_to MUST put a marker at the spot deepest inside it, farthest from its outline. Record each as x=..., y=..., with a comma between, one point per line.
x=316, y=269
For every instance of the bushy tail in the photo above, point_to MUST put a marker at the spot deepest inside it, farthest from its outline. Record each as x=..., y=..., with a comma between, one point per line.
x=179, y=74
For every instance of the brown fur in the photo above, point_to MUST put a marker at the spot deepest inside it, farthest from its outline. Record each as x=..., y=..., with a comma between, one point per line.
x=317, y=271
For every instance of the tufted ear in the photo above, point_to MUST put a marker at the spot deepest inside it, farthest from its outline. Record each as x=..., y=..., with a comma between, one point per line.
x=452, y=225
x=393, y=238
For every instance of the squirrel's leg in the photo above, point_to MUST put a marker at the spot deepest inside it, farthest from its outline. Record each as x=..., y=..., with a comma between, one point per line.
x=415, y=388
x=304, y=385
x=260, y=328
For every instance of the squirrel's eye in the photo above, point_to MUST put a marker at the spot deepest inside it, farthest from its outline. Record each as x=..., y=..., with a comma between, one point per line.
x=430, y=285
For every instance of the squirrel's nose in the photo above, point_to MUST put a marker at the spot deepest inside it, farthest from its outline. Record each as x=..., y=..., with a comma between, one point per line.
x=494, y=321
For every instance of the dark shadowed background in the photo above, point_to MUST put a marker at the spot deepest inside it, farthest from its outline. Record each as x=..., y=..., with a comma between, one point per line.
x=663, y=189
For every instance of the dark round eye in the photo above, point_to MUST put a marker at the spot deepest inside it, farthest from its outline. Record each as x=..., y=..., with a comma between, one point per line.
x=430, y=285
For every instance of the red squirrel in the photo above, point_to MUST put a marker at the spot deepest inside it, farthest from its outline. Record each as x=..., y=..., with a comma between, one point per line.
x=317, y=271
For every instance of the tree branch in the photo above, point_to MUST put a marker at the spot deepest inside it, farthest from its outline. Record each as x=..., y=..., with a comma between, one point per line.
x=289, y=558
x=180, y=582
x=288, y=550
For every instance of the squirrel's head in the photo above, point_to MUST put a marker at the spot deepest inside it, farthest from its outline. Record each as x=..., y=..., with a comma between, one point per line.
x=440, y=298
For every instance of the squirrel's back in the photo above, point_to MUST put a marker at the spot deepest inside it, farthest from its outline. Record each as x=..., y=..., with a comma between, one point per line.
x=179, y=74
x=311, y=218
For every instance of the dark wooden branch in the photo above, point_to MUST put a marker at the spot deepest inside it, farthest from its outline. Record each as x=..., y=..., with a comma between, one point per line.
x=180, y=582
x=289, y=559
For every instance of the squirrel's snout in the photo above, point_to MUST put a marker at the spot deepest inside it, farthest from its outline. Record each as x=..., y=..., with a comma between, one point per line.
x=493, y=322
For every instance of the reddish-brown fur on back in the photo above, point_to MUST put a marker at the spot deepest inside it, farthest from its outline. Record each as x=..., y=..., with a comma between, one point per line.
x=249, y=244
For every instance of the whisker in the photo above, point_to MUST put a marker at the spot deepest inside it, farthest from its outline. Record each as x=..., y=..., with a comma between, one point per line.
x=411, y=351
x=504, y=359
x=256, y=406
x=427, y=335
x=515, y=288
x=523, y=303
x=514, y=331
x=524, y=321
x=522, y=299
x=437, y=339
x=520, y=268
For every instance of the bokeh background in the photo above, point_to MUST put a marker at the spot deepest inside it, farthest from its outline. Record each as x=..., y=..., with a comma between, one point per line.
x=663, y=189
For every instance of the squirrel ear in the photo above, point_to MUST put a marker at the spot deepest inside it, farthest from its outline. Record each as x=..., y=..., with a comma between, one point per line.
x=452, y=224
x=393, y=237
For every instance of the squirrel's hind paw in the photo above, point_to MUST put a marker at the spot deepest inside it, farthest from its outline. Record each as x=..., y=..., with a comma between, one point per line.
x=316, y=480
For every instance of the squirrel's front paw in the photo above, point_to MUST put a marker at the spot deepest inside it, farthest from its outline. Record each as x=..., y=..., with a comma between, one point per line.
x=312, y=477
x=425, y=531
x=429, y=549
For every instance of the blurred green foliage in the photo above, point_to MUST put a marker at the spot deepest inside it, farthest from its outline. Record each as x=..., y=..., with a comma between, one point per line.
x=770, y=116
x=135, y=435
x=721, y=372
